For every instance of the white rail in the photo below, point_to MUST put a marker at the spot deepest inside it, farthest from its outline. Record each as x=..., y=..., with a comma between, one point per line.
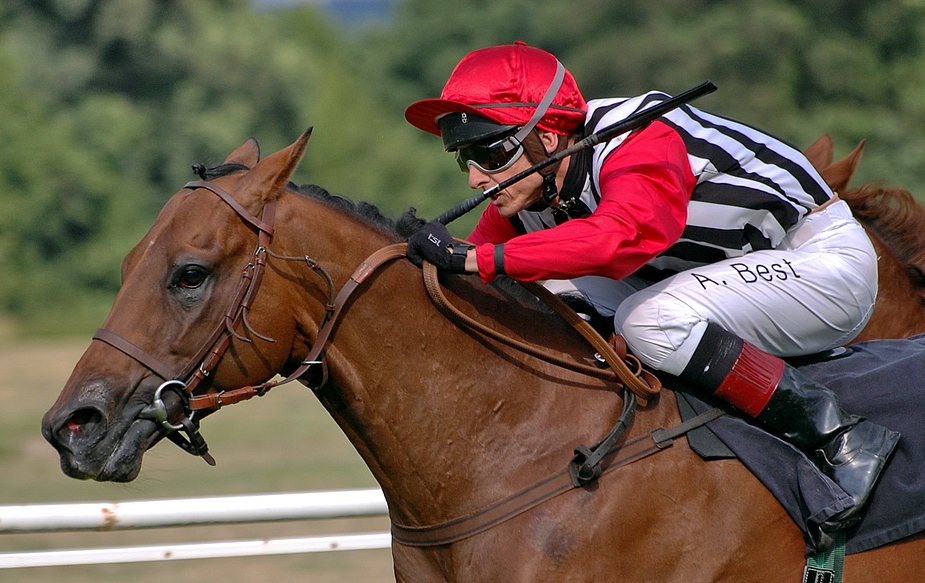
x=191, y=511
x=187, y=512
x=194, y=551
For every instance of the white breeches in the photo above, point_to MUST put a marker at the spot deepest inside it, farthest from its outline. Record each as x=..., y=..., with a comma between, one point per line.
x=815, y=292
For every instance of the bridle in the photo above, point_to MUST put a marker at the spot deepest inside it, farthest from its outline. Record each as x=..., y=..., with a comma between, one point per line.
x=200, y=366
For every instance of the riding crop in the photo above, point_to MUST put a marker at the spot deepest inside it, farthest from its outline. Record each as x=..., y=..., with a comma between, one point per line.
x=631, y=123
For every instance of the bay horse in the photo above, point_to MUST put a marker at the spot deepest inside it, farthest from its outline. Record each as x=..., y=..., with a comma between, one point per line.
x=448, y=420
x=895, y=224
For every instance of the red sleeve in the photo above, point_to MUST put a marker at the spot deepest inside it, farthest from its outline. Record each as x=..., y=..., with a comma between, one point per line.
x=646, y=185
x=492, y=228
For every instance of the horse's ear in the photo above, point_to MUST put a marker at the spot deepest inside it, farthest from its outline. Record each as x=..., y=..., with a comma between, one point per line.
x=820, y=153
x=247, y=154
x=271, y=174
x=839, y=174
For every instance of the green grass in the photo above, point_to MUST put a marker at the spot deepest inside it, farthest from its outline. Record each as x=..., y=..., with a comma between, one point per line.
x=282, y=442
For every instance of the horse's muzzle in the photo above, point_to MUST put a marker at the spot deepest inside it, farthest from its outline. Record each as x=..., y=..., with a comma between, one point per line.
x=94, y=444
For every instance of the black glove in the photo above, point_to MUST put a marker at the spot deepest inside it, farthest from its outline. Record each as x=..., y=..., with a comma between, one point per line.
x=434, y=243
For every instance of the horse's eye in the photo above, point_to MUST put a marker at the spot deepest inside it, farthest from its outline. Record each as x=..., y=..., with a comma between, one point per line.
x=191, y=277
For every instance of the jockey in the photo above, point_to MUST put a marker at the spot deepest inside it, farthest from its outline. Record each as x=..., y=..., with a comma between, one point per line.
x=716, y=248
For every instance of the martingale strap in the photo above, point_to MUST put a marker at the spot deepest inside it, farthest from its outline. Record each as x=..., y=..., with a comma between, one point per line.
x=589, y=464
x=458, y=529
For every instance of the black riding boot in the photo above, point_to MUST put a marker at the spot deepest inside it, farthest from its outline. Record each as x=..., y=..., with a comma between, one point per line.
x=848, y=449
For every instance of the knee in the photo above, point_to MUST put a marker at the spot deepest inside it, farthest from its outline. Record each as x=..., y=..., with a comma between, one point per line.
x=659, y=330
x=635, y=317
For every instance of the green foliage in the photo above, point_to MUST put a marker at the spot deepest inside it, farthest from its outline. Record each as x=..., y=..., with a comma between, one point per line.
x=798, y=68
x=58, y=220
x=104, y=104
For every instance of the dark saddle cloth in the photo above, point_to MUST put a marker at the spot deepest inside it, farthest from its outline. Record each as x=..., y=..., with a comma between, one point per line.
x=882, y=380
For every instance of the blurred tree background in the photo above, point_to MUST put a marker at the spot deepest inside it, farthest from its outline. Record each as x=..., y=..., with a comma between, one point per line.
x=104, y=104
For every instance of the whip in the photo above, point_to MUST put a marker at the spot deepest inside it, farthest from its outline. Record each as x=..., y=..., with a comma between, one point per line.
x=631, y=123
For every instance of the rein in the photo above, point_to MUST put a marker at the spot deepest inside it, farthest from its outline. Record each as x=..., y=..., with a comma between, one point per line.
x=641, y=382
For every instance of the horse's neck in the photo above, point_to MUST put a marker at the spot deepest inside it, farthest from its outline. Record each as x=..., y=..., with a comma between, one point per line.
x=447, y=421
x=899, y=312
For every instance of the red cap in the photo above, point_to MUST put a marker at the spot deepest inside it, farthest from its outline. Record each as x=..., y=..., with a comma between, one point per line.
x=504, y=84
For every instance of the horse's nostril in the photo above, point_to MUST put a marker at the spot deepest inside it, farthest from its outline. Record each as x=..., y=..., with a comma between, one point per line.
x=83, y=422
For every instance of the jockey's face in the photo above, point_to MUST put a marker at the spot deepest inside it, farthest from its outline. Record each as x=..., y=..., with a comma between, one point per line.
x=522, y=194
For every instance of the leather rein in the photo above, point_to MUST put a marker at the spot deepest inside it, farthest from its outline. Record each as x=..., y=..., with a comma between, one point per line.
x=588, y=464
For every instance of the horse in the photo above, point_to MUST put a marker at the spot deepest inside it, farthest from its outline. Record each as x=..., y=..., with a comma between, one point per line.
x=895, y=224
x=448, y=420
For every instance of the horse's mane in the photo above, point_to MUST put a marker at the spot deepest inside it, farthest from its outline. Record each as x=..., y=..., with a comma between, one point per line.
x=893, y=214
x=403, y=226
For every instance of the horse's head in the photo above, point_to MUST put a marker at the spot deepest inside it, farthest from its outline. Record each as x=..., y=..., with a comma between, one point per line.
x=171, y=314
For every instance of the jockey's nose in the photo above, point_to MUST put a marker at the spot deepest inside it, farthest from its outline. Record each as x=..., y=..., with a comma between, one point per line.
x=478, y=179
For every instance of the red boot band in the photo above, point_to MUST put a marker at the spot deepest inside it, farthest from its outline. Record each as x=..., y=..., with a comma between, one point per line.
x=752, y=380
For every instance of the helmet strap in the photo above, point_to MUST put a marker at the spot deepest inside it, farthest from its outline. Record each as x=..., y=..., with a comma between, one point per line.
x=550, y=191
x=536, y=152
x=541, y=108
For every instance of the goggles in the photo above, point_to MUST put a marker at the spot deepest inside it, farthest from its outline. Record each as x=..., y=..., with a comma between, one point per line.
x=502, y=154
x=489, y=159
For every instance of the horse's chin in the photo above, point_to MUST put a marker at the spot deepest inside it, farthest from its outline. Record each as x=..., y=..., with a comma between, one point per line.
x=119, y=462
